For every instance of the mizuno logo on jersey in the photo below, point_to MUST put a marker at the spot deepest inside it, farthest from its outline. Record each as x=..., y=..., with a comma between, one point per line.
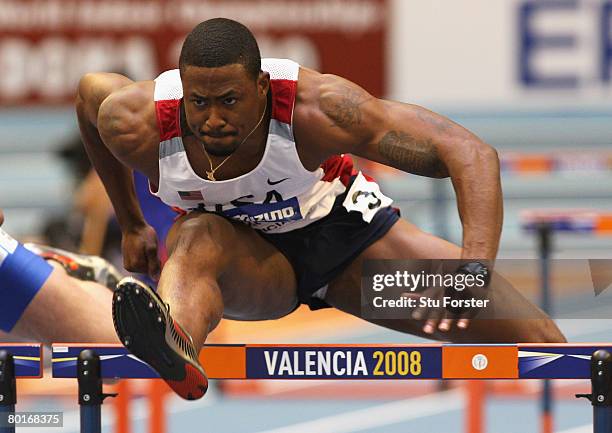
x=287, y=210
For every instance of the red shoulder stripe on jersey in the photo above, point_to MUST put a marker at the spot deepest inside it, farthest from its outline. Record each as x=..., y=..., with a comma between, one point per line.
x=283, y=98
x=338, y=166
x=168, y=118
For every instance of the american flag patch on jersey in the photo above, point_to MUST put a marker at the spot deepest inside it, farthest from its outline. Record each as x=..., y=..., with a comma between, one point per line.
x=191, y=195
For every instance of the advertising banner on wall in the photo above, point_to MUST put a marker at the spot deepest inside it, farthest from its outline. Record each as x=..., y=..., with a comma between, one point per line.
x=482, y=52
x=47, y=45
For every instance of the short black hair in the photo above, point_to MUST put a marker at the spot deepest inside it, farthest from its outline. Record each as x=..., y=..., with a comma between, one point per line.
x=220, y=42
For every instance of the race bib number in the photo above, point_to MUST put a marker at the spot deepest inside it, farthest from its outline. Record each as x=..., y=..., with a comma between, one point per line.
x=365, y=197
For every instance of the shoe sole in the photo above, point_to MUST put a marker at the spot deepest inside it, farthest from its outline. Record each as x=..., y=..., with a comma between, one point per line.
x=142, y=324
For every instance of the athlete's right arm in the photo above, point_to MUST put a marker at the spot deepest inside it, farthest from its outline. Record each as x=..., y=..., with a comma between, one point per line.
x=109, y=111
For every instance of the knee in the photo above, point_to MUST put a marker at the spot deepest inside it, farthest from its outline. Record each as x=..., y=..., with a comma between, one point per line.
x=199, y=232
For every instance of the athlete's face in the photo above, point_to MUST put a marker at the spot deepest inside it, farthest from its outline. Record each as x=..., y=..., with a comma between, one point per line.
x=222, y=105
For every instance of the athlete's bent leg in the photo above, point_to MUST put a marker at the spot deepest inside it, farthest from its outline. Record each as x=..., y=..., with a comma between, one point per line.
x=42, y=303
x=404, y=241
x=215, y=268
x=68, y=310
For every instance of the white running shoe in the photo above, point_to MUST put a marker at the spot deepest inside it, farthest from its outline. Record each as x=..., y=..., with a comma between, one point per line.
x=80, y=266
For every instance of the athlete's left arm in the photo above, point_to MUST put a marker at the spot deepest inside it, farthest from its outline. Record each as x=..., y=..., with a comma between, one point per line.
x=418, y=141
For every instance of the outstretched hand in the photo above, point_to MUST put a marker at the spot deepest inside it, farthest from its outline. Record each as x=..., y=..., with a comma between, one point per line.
x=432, y=311
x=442, y=306
x=139, y=247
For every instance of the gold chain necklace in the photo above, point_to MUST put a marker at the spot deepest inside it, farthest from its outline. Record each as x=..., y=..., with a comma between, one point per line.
x=211, y=174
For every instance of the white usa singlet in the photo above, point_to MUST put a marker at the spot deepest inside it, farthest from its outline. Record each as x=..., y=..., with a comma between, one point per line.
x=277, y=196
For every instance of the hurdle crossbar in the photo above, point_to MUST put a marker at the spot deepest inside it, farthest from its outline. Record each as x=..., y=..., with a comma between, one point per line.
x=16, y=360
x=371, y=361
x=28, y=359
x=581, y=221
x=352, y=361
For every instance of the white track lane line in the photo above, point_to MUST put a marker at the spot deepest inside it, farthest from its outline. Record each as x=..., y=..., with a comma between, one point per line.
x=381, y=415
x=587, y=428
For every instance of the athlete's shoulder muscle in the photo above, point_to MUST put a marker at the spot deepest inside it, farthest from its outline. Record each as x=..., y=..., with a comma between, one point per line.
x=307, y=119
x=93, y=89
x=331, y=113
x=127, y=122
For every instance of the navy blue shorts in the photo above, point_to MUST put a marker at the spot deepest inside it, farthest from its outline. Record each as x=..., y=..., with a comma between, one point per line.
x=318, y=252
x=322, y=250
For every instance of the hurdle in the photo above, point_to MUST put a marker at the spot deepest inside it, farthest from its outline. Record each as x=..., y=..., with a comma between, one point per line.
x=8, y=387
x=372, y=362
x=16, y=361
x=544, y=223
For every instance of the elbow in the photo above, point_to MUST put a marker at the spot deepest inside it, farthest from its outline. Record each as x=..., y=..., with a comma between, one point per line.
x=473, y=157
x=467, y=155
x=482, y=154
x=488, y=152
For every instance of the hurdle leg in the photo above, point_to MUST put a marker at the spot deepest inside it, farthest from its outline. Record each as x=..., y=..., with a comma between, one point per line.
x=601, y=379
x=8, y=390
x=475, y=410
x=90, y=391
x=601, y=391
x=122, y=407
x=157, y=397
x=545, y=248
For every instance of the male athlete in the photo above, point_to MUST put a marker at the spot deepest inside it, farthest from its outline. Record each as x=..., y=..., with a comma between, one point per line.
x=254, y=155
x=41, y=301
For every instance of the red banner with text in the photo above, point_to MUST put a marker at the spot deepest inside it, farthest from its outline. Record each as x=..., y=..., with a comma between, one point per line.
x=47, y=45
